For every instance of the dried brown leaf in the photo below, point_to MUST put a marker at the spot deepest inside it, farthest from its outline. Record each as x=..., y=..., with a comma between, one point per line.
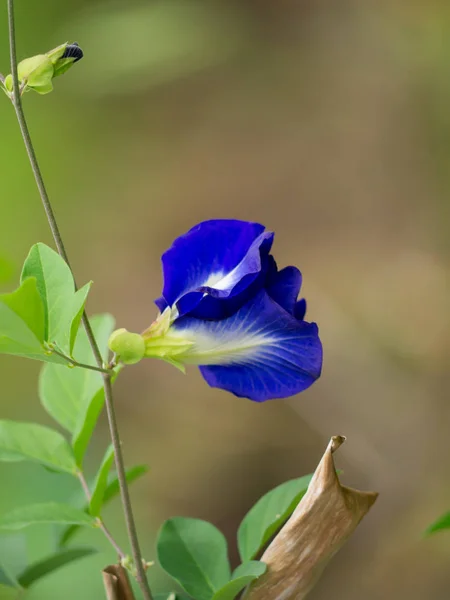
x=324, y=519
x=117, y=584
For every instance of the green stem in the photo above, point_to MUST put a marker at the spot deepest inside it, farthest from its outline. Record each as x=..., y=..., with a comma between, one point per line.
x=114, y=432
x=75, y=363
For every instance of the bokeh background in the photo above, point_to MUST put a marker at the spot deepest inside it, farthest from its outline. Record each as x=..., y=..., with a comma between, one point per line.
x=327, y=121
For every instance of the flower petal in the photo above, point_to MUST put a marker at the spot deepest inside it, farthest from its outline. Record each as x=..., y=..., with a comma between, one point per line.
x=284, y=287
x=214, y=261
x=300, y=309
x=161, y=304
x=261, y=352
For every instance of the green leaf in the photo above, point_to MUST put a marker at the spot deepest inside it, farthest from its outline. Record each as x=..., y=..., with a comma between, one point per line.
x=50, y=512
x=76, y=312
x=62, y=305
x=22, y=321
x=93, y=402
x=101, y=483
x=242, y=576
x=442, y=523
x=112, y=490
x=46, y=566
x=74, y=397
x=85, y=425
x=29, y=441
x=194, y=553
x=268, y=515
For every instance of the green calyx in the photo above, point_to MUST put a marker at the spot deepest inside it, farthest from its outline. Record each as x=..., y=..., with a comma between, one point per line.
x=158, y=341
x=161, y=343
x=37, y=72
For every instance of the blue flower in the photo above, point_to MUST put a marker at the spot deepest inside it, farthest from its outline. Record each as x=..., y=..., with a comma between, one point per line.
x=227, y=308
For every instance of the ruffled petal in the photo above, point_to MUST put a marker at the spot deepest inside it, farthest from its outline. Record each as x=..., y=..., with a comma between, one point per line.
x=214, y=261
x=284, y=287
x=300, y=309
x=261, y=352
x=161, y=303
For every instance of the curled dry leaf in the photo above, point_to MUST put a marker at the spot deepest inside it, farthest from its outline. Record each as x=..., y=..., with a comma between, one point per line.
x=117, y=584
x=324, y=519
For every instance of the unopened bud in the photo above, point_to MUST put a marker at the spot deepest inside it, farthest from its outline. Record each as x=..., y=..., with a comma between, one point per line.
x=129, y=347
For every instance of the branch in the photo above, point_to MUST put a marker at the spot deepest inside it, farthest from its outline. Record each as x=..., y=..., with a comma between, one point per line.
x=75, y=363
x=322, y=522
x=114, y=432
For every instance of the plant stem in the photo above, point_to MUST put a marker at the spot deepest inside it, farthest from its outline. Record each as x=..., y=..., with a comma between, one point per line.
x=115, y=438
x=108, y=534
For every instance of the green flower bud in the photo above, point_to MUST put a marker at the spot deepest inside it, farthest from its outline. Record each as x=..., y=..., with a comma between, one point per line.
x=129, y=347
x=36, y=73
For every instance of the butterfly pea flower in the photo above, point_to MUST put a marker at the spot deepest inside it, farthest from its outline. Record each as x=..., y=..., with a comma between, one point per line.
x=227, y=308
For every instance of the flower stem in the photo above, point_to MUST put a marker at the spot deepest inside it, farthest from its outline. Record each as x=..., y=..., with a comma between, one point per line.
x=115, y=438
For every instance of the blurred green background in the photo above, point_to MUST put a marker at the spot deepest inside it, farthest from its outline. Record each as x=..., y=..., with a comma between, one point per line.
x=327, y=121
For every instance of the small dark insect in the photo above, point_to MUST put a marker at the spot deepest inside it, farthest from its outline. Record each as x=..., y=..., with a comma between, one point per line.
x=73, y=51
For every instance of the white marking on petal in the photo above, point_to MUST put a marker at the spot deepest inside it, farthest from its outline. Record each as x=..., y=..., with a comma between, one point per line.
x=222, y=282
x=223, y=346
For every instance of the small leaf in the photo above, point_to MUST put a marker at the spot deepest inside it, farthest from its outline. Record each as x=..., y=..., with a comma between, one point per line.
x=57, y=290
x=76, y=312
x=132, y=474
x=22, y=321
x=29, y=441
x=194, y=553
x=111, y=492
x=46, y=566
x=93, y=401
x=101, y=483
x=67, y=394
x=268, y=515
x=442, y=523
x=86, y=422
x=50, y=512
x=241, y=577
